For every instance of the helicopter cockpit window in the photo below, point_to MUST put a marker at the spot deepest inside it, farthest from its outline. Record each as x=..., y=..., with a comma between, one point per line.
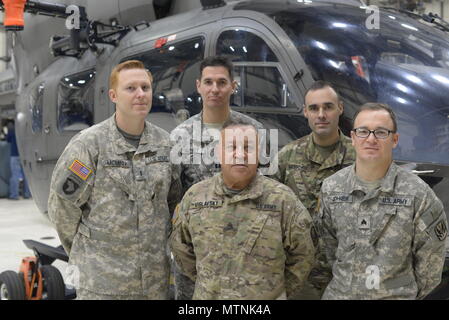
x=175, y=67
x=76, y=101
x=260, y=86
x=241, y=45
x=260, y=83
x=404, y=64
x=36, y=107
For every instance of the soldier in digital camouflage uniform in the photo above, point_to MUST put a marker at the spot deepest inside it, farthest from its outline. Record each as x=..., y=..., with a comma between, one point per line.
x=196, y=138
x=239, y=234
x=111, y=195
x=306, y=162
x=383, y=228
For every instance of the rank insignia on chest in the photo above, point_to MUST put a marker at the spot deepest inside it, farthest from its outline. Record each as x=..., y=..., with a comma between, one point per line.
x=396, y=201
x=363, y=223
x=78, y=168
x=340, y=198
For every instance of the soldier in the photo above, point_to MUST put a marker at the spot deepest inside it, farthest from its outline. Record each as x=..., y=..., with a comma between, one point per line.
x=111, y=195
x=200, y=135
x=239, y=234
x=382, y=227
x=306, y=162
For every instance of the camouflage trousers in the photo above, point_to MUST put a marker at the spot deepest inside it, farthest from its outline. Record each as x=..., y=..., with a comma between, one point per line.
x=308, y=292
x=184, y=286
x=83, y=294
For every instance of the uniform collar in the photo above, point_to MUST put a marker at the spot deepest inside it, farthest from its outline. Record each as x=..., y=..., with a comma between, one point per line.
x=336, y=157
x=388, y=182
x=122, y=146
x=198, y=121
x=252, y=191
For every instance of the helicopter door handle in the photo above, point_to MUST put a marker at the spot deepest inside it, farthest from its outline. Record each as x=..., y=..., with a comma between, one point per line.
x=284, y=95
x=40, y=159
x=423, y=171
x=43, y=160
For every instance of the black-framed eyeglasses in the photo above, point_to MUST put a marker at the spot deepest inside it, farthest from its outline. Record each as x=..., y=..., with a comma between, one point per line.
x=378, y=133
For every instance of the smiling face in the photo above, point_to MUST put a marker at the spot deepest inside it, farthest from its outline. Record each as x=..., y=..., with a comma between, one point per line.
x=322, y=110
x=215, y=87
x=132, y=94
x=372, y=149
x=238, y=152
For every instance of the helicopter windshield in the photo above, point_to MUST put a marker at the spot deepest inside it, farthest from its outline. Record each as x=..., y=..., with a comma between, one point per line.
x=401, y=62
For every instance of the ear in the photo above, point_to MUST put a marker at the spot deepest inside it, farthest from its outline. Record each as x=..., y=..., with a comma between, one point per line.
x=341, y=107
x=234, y=85
x=198, y=84
x=306, y=114
x=112, y=95
x=395, y=139
x=353, y=137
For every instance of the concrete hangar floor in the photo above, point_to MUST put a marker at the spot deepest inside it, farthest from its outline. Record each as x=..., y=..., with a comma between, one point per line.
x=21, y=220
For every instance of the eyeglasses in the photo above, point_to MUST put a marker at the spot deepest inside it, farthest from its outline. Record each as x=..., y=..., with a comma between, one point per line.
x=378, y=133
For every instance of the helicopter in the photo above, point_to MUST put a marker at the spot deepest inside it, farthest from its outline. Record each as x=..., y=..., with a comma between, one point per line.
x=279, y=48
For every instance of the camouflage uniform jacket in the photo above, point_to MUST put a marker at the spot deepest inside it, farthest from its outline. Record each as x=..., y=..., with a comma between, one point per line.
x=388, y=243
x=110, y=204
x=193, y=169
x=303, y=169
x=253, y=245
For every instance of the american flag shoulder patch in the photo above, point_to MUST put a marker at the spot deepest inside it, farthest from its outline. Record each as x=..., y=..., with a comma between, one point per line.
x=78, y=168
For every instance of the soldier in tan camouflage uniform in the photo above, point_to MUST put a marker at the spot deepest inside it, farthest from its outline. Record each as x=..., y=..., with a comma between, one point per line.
x=383, y=228
x=306, y=162
x=111, y=196
x=241, y=235
x=201, y=134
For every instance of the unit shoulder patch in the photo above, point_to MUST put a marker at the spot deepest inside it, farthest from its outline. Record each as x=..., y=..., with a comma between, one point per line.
x=70, y=185
x=441, y=230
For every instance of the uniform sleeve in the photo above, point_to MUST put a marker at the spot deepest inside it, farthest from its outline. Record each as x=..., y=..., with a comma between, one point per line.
x=179, y=154
x=282, y=165
x=175, y=192
x=70, y=189
x=429, y=249
x=299, y=248
x=327, y=243
x=181, y=241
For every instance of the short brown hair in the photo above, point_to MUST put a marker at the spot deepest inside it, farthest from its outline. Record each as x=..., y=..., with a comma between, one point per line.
x=126, y=65
x=218, y=61
x=374, y=106
x=321, y=84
